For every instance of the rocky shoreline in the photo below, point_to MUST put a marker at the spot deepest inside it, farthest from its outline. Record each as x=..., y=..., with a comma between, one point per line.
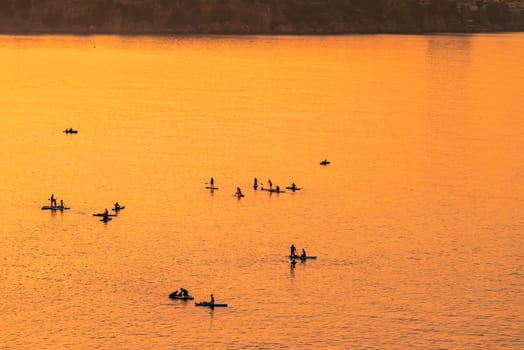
x=257, y=17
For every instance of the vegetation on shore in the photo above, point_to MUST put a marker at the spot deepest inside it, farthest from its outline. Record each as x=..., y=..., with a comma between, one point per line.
x=254, y=16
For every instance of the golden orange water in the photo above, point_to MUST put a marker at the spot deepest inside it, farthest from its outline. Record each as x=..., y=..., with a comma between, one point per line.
x=417, y=222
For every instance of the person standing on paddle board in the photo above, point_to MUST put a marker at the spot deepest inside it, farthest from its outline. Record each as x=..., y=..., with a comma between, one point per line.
x=255, y=183
x=212, y=301
x=61, y=203
x=270, y=183
x=53, y=200
x=293, y=251
x=212, y=182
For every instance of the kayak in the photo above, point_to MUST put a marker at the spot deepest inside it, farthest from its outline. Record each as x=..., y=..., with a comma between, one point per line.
x=212, y=188
x=303, y=257
x=102, y=214
x=119, y=208
x=208, y=304
x=54, y=207
x=293, y=188
x=272, y=190
x=180, y=297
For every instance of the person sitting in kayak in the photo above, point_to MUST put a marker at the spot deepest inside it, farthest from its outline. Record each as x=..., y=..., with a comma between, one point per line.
x=293, y=186
x=212, y=301
x=239, y=192
x=303, y=255
x=293, y=251
x=61, y=203
x=184, y=292
x=278, y=189
x=105, y=215
x=117, y=206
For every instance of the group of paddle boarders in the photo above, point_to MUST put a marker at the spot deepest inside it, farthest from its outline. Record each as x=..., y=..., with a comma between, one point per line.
x=293, y=255
x=53, y=202
x=293, y=187
x=183, y=293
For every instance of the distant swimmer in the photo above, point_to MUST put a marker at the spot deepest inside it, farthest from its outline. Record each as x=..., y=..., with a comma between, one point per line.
x=255, y=183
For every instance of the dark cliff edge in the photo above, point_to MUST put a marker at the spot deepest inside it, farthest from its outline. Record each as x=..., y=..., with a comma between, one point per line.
x=258, y=16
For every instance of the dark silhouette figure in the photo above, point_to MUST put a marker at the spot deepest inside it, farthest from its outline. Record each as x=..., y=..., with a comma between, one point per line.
x=303, y=255
x=270, y=183
x=293, y=251
x=255, y=183
x=212, y=301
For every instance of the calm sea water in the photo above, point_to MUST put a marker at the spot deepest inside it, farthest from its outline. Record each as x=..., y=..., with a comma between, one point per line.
x=417, y=223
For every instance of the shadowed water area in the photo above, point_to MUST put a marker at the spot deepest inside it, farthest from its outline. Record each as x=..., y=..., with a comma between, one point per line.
x=417, y=222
